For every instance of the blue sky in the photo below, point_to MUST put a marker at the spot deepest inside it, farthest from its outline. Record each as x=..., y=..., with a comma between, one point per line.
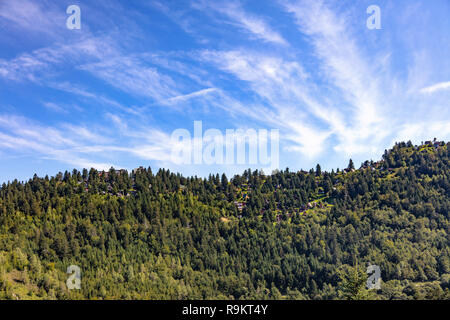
x=112, y=93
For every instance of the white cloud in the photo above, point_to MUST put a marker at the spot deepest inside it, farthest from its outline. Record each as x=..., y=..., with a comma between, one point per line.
x=282, y=86
x=184, y=97
x=81, y=146
x=131, y=75
x=54, y=107
x=26, y=137
x=418, y=132
x=253, y=24
x=31, y=16
x=359, y=121
x=82, y=92
x=35, y=66
x=436, y=87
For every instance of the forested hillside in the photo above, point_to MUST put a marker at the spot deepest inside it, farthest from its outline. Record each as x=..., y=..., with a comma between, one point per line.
x=288, y=235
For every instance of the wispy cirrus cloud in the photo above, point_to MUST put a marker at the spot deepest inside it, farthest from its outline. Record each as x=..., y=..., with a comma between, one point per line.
x=436, y=87
x=184, y=97
x=254, y=25
x=98, y=98
x=32, y=16
x=25, y=136
x=349, y=70
x=416, y=131
x=282, y=87
x=130, y=74
x=80, y=146
x=40, y=64
x=350, y=106
x=54, y=107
